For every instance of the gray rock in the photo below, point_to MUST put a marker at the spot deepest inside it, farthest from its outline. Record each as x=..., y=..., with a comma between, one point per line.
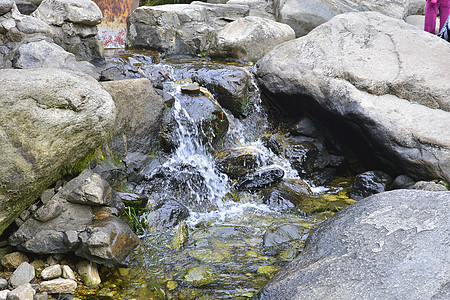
x=58, y=235
x=368, y=183
x=3, y=283
x=173, y=29
x=67, y=272
x=74, y=23
x=47, y=195
x=108, y=241
x=56, y=12
x=372, y=88
x=305, y=15
x=88, y=188
x=5, y=6
x=45, y=54
x=374, y=249
x=51, y=272
x=12, y=261
x=428, y=186
x=416, y=7
x=222, y=14
x=4, y=294
x=78, y=111
x=48, y=211
x=58, y=286
x=25, y=8
x=402, y=182
x=23, y=274
x=139, y=115
x=89, y=273
x=208, y=124
x=22, y=292
x=258, y=8
x=259, y=179
x=250, y=38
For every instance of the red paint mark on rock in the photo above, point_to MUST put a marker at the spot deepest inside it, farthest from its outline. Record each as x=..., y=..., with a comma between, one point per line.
x=113, y=29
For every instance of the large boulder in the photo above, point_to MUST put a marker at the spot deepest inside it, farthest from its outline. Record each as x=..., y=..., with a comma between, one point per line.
x=173, y=29
x=43, y=53
x=180, y=28
x=305, y=15
x=250, y=38
x=392, y=245
x=358, y=73
x=74, y=23
x=50, y=120
x=139, y=115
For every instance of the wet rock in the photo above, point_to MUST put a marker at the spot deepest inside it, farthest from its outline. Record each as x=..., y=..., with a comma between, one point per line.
x=22, y=275
x=58, y=286
x=139, y=114
x=108, y=241
x=387, y=134
x=250, y=38
x=191, y=89
x=268, y=271
x=389, y=234
x=283, y=234
x=181, y=236
x=230, y=85
x=74, y=23
x=199, y=276
x=207, y=122
x=22, y=292
x=369, y=183
x=13, y=260
x=402, y=182
x=51, y=272
x=428, y=186
x=133, y=199
x=287, y=194
x=39, y=99
x=238, y=162
x=89, y=273
x=170, y=213
x=304, y=126
x=306, y=157
x=272, y=142
x=260, y=178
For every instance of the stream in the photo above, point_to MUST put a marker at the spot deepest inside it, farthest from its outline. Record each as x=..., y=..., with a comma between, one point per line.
x=210, y=233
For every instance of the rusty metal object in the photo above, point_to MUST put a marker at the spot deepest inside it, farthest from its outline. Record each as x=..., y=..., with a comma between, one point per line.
x=113, y=29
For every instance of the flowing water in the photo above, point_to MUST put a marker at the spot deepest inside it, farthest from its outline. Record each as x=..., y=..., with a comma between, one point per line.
x=233, y=241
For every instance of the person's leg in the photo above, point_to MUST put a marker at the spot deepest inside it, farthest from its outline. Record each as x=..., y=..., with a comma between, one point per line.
x=444, y=12
x=431, y=10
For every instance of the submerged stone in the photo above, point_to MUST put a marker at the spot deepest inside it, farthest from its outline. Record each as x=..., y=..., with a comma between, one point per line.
x=260, y=178
x=199, y=276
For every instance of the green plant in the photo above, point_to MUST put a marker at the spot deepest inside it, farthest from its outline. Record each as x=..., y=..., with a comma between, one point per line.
x=132, y=216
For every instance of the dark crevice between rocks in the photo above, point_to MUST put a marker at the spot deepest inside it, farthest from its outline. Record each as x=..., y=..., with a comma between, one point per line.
x=342, y=135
